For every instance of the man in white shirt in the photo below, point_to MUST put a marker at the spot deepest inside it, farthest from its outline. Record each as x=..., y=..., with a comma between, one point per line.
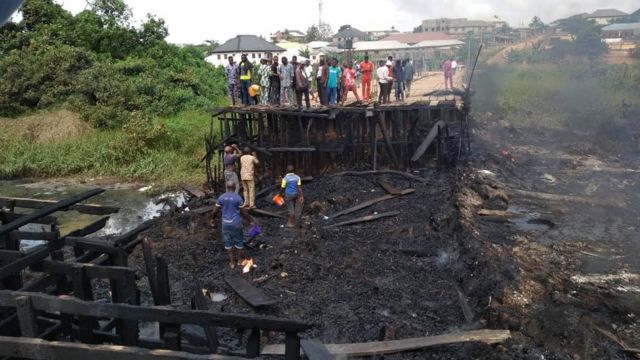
x=383, y=81
x=454, y=66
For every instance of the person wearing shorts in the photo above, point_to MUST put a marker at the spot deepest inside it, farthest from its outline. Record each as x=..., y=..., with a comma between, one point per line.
x=229, y=205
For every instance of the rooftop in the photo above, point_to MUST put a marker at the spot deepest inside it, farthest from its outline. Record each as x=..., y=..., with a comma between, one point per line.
x=247, y=43
x=350, y=32
x=622, y=27
x=414, y=38
x=606, y=13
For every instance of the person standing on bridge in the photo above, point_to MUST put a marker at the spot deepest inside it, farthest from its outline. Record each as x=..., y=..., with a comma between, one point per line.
x=230, y=204
x=454, y=66
x=291, y=189
x=366, y=69
x=398, y=76
x=448, y=74
x=303, y=84
x=265, y=75
x=383, y=81
x=230, y=73
x=349, y=83
x=246, y=70
x=333, y=76
x=274, y=83
x=286, y=82
x=408, y=77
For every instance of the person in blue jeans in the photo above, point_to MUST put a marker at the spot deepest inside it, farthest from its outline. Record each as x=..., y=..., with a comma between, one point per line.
x=333, y=76
x=230, y=205
x=291, y=189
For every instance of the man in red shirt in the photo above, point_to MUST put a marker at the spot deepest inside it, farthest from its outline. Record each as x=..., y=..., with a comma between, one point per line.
x=366, y=69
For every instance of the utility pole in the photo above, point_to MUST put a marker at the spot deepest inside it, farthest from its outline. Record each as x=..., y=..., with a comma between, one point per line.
x=319, y=13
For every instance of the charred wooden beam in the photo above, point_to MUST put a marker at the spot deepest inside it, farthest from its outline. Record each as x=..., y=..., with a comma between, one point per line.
x=34, y=235
x=94, y=226
x=249, y=293
x=90, y=209
x=211, y=332
x=67, y=304
x=364, y=219
x=49, y=209
x=381, y=172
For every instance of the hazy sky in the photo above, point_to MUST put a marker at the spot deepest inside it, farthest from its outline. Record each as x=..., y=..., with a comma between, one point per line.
x=193, y=21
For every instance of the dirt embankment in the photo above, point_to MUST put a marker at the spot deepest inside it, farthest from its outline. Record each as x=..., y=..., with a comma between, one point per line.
x=45, y=127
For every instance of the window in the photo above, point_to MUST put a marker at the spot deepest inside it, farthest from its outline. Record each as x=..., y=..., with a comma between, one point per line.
x=218, y=56
x=253, y=56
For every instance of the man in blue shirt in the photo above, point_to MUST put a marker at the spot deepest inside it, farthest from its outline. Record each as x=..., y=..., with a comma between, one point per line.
x=291, y=188
x=333, y=76
x=229, y=204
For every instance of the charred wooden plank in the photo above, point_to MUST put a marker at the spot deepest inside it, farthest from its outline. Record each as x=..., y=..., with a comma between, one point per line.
x=364, y=219
x=29, y=348
x=7, y=217
x=34, y=235
x=91, y=209
x=10, y=255
x=249, y=293
x=363, y=205
x=390, y=189
x=151, y=271
x=466, y=310
x=27, y=317
x=49, y=209
x=90, y=270
x=424, y=145
x=92, y=244
x=379, y=172
x=201, y=303
x=315, y=350
x=29, y=259
x=90, y=228
x=131, y=235
x=262, y=212
x=396, y=346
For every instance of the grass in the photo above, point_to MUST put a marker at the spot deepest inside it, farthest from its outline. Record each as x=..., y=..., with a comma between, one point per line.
x=173, y=159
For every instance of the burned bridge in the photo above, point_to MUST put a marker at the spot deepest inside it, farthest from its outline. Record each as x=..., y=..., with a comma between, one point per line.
x=399, y=136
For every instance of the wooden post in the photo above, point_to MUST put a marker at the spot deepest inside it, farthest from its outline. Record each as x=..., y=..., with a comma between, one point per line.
x=201, y=303
x=27, y=317
x=151, y=272
x=253, y=343
x=82, y=290
x=170, y=333
x=292, y=346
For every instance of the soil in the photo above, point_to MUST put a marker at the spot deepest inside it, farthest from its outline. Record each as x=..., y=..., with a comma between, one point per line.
x=550, y=271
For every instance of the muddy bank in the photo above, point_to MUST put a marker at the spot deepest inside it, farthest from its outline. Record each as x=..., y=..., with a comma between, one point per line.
x=390, y=279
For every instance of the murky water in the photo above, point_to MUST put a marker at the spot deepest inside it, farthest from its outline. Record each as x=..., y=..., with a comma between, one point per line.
x=136, y=206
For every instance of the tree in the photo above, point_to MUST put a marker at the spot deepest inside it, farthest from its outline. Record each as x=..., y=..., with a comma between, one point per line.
x=112, y=12
x=313, y=34
x=344, y=27
x=536, y=25
x=154, y=29
x=325, y=32
x=585, y=35
x=305, y=52
x=417, y=29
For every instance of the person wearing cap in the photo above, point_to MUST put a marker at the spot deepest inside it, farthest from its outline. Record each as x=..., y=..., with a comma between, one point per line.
x=291, y=189
x=231, y=156
x=265, y=80
x=246, y=68
x=366, y=69
x=230, y=74
x=229, y=204
x=383, y=81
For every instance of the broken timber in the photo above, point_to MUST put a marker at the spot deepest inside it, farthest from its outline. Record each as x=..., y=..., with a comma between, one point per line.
x=364, y=219
x=249, y=293
x=395, y=346
x=315, y=350
x=381, y=172
x=90, y=209
x=371, y=202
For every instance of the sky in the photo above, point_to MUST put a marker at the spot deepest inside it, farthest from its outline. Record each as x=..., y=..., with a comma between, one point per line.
x=193, y=21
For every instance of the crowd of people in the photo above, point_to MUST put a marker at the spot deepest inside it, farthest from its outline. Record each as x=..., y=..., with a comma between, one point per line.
x=280, y=82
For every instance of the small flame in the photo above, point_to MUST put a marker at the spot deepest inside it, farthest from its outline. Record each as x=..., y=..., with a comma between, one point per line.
x=247, y=264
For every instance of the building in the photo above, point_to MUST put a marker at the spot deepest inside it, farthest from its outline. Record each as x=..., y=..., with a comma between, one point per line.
x=605, y=16
x=459, y=27
x=255, y=48
x=380, y=34
x=620, y=32
x=288, y=35
x=349, y=33
x=414, y=38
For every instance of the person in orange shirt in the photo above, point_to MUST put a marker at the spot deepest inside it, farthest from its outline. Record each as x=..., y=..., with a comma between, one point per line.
x=366, y=69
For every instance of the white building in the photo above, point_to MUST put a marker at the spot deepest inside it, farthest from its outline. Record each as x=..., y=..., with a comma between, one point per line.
x=255, y=48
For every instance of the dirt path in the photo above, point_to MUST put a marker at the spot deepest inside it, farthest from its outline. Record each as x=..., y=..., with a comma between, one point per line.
x=500, y=57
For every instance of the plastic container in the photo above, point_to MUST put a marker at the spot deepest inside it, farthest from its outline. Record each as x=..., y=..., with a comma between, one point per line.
x=278, y=200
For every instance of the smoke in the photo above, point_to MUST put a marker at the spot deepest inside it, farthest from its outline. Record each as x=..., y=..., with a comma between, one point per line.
x=516, y=12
